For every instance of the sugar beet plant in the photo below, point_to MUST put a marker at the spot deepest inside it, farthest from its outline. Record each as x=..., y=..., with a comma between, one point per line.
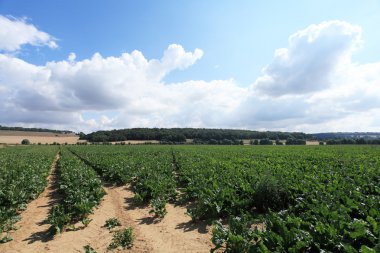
x=148, y=170
x=23, y=174
x=305, y=199
x=309, y=199
x=81, y=191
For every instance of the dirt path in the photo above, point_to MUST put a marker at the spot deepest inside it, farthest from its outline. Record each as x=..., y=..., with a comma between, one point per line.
x=33, y=224
x=175, y=233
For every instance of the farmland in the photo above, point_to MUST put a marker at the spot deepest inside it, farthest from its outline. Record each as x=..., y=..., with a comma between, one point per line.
x=12, y=137
x=256, y=199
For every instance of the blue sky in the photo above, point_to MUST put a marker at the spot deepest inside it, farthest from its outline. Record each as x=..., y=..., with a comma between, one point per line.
x=238, y=37
x=238, y=40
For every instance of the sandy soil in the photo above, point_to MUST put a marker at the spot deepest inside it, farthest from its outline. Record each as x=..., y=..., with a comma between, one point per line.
x=312, y=143
x=175, y=233
x=38, y=139
x=15, y=137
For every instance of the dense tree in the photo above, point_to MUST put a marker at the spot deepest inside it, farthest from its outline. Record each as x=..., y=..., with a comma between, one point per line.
x=293, y=141
x=197, y=134
x=34, y=129
x=265, y=142
x=25, y=142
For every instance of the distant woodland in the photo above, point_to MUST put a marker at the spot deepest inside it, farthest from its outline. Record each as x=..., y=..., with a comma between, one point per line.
x=34, y=130
x=216, y=136
x=198, y=135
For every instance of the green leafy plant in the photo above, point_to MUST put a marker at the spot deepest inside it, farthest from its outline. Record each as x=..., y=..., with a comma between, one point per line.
x=123, y=238
x=238, y=236
x=23, y=173
x=86, y=221
x=270, y=193
x=112, y=223
x=89, y=249
x=81, y=191
x=6, y=238
x=58, y=218
x=159, y=207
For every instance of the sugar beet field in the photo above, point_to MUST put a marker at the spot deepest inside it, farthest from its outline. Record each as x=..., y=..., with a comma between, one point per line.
x=235, y=198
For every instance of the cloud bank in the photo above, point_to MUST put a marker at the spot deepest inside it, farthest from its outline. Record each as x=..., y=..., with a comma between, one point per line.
x=14, y=33
x=311, y=85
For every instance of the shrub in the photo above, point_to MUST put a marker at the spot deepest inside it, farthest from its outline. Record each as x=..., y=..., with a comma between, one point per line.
x=25, y=142
x=271, y=194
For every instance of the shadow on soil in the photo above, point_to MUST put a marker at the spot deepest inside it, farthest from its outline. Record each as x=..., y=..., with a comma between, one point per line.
x=201, y=227
x=148, y=220
x=132, y=203
x=54, y=198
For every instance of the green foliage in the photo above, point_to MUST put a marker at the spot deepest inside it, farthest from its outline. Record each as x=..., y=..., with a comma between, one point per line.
x=270, y=194
x=89, y=249
x=23, y=173
x=265, y=142
x=6, y=238
x=239, y=236
x=150, y=173
x=81, y=190
x=123, y=238
x=112, y=223
x=58, y=218
x=25, y=142
x=159, y=207
x=180, y=134
x=309, y=199
x=86, y=221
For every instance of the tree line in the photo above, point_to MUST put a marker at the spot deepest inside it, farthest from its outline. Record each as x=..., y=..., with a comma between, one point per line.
x=34, y=130
x=198, y=135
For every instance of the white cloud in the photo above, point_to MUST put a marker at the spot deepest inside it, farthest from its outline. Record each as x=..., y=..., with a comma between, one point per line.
x=312, y=85
x=72, y=57
x=311, y=58
x=14, y=33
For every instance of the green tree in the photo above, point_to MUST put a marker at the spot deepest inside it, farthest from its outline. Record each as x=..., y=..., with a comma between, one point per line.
x=25, y=142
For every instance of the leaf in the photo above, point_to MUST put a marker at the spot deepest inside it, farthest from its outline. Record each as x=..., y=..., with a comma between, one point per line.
x=6, y=238
x=365, y=249
x=359, y=229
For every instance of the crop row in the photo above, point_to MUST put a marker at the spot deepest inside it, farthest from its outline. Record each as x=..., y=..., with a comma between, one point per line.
x=280, y=199
x=23, y=174
x=80, y=190
x=149, y=172
x=306, y=199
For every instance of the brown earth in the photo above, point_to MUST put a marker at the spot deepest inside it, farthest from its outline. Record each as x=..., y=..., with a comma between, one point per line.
x=175, y=233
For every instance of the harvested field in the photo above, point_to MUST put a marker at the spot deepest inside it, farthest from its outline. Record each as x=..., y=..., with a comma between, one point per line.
x=312, y=143
x=15, y=137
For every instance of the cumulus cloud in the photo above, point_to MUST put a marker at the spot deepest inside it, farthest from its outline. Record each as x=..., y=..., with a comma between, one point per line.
x=14, y=33
x=72, y=57
x=311, y=58
x=312, y=85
